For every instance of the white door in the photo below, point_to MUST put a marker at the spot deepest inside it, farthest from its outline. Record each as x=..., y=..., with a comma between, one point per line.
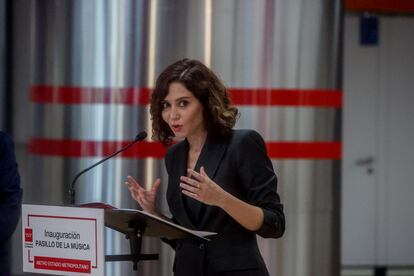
x=378, y=137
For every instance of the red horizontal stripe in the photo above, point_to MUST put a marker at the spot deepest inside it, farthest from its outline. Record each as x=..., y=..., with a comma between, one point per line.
x=89, y=95
x=61, y=264
x=388, y=6
x=287, y=97
x=82, y=148
x=78, y=148
x=304, y=150
x=140, y=96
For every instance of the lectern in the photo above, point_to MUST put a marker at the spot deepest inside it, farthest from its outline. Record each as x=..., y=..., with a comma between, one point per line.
x=60, y=240
x=135, y=224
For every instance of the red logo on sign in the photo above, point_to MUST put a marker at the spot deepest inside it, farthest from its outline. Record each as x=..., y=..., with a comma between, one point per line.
x=28, y=235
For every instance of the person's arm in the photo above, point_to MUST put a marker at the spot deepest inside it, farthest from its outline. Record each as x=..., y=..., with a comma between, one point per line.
x=202, y=188
x=260, y=184
x=249, y=216
x=263, y=211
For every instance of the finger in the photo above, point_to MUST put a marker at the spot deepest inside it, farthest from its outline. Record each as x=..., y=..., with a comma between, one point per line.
x=190, y=181
x=156, y=185
x=195, y=174
x=143, y=194
x=137, y=194
x=138, y=199
x=193, y=195
x=189, y=188
x=133, y=192
x=144, y=201
x=131, y=188
x=203, y=172
x=132, y=180
x=134, y=183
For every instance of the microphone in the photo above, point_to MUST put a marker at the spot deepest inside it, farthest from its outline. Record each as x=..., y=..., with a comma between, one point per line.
x=140, y=136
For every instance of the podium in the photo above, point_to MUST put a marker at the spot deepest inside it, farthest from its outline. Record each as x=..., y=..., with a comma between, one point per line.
x=135, y=224
x=58, y=239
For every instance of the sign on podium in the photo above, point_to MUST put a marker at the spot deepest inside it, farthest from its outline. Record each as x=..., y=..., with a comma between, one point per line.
x=69, y=240
x=63, y=240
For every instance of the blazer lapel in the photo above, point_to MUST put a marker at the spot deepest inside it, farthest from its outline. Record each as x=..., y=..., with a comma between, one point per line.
x=179, y=168
x=210, y=158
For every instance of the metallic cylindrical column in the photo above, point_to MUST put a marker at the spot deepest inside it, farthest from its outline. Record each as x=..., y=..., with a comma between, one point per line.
x=87, y=49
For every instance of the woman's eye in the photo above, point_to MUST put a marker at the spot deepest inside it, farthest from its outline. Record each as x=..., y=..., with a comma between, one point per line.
x=183, y=103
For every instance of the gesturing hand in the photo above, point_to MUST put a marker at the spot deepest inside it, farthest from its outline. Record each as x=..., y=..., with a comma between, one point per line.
x=202, y=188
x=146, y=199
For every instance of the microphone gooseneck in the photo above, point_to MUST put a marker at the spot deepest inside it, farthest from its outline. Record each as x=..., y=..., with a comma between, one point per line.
x=140, y=136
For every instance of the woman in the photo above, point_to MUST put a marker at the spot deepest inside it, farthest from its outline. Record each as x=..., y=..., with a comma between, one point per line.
x=219, y=179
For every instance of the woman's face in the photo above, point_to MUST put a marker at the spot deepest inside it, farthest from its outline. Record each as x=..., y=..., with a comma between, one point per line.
x=183, y=112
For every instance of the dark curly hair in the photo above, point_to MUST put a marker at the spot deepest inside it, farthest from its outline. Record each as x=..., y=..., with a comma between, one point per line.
x=218, y=113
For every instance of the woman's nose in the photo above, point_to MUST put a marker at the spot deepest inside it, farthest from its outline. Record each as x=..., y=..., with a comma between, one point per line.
x=174, y=115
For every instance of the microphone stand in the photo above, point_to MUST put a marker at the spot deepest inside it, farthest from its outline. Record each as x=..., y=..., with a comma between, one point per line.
x=135, y=229
x=141, y=136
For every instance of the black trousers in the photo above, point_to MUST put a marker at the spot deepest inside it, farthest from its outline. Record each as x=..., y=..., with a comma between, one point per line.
x=191, y=259
x=250, y=272
x=5, y=258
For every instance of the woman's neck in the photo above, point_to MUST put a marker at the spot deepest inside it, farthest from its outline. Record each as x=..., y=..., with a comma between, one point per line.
x=196, y=142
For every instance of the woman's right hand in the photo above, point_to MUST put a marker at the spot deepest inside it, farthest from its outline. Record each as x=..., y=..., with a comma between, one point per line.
x=146, y=199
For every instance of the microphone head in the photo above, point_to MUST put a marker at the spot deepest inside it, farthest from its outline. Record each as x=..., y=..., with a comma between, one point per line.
x=140, y=136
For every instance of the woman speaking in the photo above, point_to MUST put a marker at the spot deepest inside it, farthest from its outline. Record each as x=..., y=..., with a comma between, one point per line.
x=219, y=179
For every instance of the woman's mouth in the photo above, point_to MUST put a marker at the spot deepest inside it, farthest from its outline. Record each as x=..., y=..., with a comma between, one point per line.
x=176, y=128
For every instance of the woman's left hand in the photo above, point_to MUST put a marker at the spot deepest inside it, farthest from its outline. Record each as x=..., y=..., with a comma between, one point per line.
x=202, y=188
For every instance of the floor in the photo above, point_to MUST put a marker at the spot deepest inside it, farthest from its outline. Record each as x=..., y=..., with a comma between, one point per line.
x=371, y=272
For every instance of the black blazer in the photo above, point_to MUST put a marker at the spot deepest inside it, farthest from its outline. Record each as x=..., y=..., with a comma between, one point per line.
x=10, y=192
x=240, y=165
x=10, y=199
